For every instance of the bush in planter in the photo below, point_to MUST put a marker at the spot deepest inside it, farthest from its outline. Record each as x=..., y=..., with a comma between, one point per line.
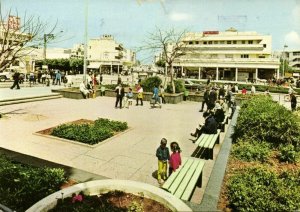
x=91, y=134
x=179, y=87
x=149, y=83
x=21, y=185
x=259, y=189
x=288, y=153
x=264, y=120
x=248, y=150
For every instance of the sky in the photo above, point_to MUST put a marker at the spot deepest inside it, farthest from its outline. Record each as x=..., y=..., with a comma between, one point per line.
x=131, y=21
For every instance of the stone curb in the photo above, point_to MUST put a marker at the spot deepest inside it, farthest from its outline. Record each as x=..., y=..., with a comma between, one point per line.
x=103, y=186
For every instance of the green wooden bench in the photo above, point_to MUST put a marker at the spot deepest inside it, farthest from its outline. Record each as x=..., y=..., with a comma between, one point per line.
x=183, y=181
x=206, y=143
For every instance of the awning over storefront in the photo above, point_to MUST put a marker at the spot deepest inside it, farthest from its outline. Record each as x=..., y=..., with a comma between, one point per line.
x=94, y=66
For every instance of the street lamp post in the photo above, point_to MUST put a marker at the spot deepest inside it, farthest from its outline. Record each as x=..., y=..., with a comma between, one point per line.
x=283, y=60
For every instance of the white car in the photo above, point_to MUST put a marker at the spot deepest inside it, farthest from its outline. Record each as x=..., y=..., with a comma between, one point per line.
x=5, y=75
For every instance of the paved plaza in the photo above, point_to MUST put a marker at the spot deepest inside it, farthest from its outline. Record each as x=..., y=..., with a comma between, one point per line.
x=129, y=155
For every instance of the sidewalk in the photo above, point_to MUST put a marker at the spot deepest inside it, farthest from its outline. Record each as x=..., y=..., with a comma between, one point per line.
x=130, y=155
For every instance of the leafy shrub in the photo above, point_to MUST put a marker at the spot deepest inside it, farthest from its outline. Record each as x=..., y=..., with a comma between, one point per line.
x=21, y=185
x=114, y=125
x=258, y=189
x=149, y=83
x=179, y=87
x=287, y=153
x=262, y=119
x=251, y=151
x=89, y=133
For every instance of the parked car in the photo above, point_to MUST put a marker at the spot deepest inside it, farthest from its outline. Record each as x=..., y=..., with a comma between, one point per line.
x=5, y=75
x=193, y=86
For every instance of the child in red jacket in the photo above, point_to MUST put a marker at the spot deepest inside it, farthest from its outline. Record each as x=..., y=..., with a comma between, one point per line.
x=175, y=158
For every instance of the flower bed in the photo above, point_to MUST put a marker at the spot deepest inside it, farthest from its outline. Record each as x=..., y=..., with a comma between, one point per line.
x=101, y=187
x=87, y=131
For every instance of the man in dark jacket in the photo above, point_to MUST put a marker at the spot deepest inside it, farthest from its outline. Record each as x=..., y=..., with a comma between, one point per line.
x=205, y=99
x=120, y=94
x=210, y=126
x=16, y=78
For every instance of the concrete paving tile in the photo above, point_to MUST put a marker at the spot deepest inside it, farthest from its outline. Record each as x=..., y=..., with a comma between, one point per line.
x=87, y=163
x=115, y=171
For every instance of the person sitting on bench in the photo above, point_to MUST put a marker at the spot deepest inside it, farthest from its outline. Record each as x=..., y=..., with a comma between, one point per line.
x=210, y=126
x=85, y=92
x=219, y=113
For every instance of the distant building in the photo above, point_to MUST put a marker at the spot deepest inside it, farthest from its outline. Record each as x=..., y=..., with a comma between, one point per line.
x=107, y=56
x=293, y=58
x=77, y=51
x=229, y=55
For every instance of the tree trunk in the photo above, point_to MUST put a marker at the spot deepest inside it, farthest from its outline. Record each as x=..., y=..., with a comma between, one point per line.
x=172, y=78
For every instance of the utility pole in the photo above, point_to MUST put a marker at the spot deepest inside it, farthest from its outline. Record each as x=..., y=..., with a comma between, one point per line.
x=283, y=60
x=85, y=41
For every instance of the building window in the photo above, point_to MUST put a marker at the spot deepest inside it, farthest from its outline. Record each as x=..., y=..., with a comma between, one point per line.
x=197, y=42
x=234, y=42
x=216, y=42
x=209, y=42
x=265, y=45
x=250, y=42
x=191, y=42
x=261, y=56
x=228, y=56
x=222, y=42
x=244, y=55
x=229, y=42
x=243, y=42
x=205, y=42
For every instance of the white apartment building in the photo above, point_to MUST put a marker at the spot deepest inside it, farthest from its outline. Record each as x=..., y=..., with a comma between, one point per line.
x=230, y=55
x=293, y=58
x=107, y=56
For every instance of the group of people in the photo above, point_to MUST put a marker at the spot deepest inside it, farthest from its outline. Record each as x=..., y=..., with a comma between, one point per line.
x=128, y=97
x=167, y=163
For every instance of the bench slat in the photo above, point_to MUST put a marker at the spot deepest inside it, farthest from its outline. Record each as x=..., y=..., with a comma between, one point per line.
x=211, y=138
x=181, y=188
x=212, y=144
x=180, y=176
x=202, y=139
x=190, y=187
x=173, y=176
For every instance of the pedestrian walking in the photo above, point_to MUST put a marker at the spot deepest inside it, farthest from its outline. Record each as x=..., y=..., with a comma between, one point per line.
x=58, y=78
x=293, y=101
x=162, y=94
x=205, y=99
x=163, y=155
x=16, y=77
x=119, y=97
x=139, y=95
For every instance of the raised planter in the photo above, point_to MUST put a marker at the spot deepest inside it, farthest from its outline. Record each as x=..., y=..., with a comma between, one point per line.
x=176, y=98
x=104, y=186
x=72, y=93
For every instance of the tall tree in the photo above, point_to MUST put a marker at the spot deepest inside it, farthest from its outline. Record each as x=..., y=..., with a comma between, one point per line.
x=18, y=37
x=169, y=43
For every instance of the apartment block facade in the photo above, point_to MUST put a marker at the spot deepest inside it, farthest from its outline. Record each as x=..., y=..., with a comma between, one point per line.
x=107, y=56
x=229, y=55
x=293, y=58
